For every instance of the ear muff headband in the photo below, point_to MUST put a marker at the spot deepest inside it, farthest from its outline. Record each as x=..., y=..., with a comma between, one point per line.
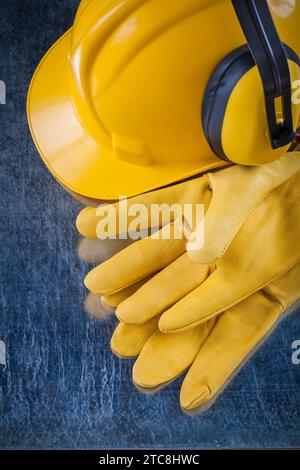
x=269, y=55
x=219, y=89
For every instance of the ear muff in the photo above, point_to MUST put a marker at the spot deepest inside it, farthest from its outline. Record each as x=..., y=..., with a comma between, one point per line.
x=225, y=106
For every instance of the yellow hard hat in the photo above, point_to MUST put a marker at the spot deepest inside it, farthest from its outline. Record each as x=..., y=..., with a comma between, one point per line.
x=142, y=93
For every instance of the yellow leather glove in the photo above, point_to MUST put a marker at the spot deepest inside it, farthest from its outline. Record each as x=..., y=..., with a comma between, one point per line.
x=212, y=352
x=230, y=195
x=263, y=247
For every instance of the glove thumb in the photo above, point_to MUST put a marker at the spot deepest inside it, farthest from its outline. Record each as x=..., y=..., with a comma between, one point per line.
x=236, y=192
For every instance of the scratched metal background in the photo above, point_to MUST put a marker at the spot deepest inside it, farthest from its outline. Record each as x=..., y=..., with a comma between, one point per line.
x=62, y=387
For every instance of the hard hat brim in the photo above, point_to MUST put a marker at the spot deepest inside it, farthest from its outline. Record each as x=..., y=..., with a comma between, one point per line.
x=75, y=159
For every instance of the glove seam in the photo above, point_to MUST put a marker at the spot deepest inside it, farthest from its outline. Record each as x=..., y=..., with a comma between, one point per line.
x=275, y=299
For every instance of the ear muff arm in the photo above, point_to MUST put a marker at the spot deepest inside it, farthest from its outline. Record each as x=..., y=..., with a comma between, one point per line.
x=268, y=52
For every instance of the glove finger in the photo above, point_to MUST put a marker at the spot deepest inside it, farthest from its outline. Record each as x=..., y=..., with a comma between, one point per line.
x=162, y=290
x=137, y=261
x=104, y=307
x=128, y=340
x=114, y=300
x=236, y=193
x=88, y=219
x=218, y=293
x=246, y=267
x=165, y=357
x=86, y=222
x=234, y=338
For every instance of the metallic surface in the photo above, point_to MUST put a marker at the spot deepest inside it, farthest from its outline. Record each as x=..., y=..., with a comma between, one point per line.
x=62, y=387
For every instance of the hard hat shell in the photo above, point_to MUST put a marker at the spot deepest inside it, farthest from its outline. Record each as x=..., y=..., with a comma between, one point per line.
x=114, y=107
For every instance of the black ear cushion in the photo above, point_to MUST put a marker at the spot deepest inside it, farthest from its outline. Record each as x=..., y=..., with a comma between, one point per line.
x=219, y=88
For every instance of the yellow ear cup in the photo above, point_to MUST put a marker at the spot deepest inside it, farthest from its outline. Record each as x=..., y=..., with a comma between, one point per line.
x=233, y=112
x=247, y=142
